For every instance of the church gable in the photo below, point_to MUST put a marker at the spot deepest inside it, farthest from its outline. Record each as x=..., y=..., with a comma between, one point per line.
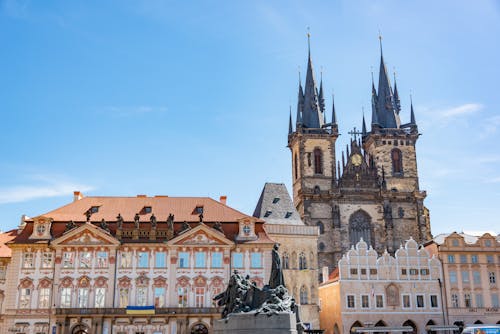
x=201, y=235
x=87, y=235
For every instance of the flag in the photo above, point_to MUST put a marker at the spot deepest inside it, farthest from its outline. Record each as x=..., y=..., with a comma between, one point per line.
x=140, y=309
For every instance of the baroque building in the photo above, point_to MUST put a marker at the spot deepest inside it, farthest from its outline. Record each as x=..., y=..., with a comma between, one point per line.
x=127, y=265
x=372, y=192
x=298, y=248
x=471, y=266
x=369, y=293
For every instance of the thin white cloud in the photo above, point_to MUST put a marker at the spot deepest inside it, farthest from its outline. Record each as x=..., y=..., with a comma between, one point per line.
x=132, y=110
x=23, y=193
x=465, y=109
x=490, y=126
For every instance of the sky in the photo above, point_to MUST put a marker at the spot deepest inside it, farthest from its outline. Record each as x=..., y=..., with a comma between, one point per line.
x=191, y=98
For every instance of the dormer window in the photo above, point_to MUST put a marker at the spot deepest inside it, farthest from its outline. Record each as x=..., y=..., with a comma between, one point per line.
x=246, y=229
x=276, y=200
x=288, y=214
x=198, y=210
x=94, y=209
x=147, y=209
x=268, y=213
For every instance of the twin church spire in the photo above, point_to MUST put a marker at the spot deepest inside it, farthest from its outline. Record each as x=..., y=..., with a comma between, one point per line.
x=386, y=105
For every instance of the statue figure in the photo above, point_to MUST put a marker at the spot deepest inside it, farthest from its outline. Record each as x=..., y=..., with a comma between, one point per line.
x=276, y=278
x=104, y=225
x=153, y=221
x=218, y=226
x=170, y=222
x=201, y=217
x=136, y=221
x=185, y=227
x=119, y=221
x=69, y=226
x=87, y=215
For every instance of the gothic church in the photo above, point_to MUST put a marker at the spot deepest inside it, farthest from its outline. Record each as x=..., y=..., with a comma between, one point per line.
x=372, y=192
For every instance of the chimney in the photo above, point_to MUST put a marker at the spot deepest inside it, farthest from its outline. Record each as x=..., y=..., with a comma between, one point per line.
x=77, y=196
x=325, y=274
x=223, y=199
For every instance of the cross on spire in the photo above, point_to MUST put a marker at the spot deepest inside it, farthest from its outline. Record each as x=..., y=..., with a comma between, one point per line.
x=354, y=133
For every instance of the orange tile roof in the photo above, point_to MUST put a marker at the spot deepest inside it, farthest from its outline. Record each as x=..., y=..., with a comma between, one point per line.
x=4, y=238
x=181, y=207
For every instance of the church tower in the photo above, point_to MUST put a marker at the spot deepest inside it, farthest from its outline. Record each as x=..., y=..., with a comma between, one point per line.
x=372, y=192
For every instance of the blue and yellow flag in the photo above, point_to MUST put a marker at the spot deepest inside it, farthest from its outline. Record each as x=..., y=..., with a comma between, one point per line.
x=140, y=310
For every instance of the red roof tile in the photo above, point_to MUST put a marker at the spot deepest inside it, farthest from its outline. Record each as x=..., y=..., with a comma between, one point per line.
x=4, y=238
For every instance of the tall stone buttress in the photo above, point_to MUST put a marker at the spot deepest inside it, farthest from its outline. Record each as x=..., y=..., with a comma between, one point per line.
x=372, y=191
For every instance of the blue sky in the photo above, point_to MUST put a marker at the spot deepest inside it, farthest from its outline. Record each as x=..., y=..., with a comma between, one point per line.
x=122, y=98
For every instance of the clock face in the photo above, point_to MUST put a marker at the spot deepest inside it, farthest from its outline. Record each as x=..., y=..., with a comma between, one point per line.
x=356, y=159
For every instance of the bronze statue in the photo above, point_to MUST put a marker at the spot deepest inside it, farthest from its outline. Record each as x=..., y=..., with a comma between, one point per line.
x=153, y=221
x=276, y=279
x=136, y=220
x=104, y=225
x=119, y=221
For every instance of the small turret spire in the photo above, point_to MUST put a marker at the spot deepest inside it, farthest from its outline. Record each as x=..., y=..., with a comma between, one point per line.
x=334, y=115
x=363, y=129
x=412, y=113
x=397, y=102
x=290, y=127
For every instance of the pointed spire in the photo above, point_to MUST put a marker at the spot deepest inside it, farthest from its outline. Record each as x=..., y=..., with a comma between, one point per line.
x=321, y=99
x=347, y=151
x=386, y=108
x=334, y=115
x=412, y=113
x=397, y=102
x=300, y=104
x=363, y=129
x=290, y=127
x=343, y=160
x=338, y=168
x=311, y=113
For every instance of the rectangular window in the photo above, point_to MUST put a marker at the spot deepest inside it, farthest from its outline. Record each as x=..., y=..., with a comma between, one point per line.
x=100, y=297
x=354, y=271
x=123, y=297
x=256, y=260
x=379, y=301
x=160, y=297
x=200, y=259
x=454, y=300
x=25, y=298
x=85, y=260
x=183, y=260
x=451, y=258
x=28, y=260
x=47, y=258
x=476, y=276
x=494, y=301
x=182, y=294
x=161, y=260
x=44, y=298
x=83, y=298
x=413, y=272
x=492, y=278
x=350, y=301
x=238, y=260
x=406, y=301
x=424, y=272
x=126, y=260
x=363, y=271
x=453, y=277
x=373, y=271
x=479, y=300
x=465, y=276
x=199, y=297
x=216, y=260
x=143, y=260
x=365, y=301
x=474, y=259
x=489, y=259
x=68, y=260
x=467, y=300
x=102, y=259
x=463, y=258
x=403, y=271
x=420, y=301
x=434, y=301
x=142, y=296
x=66, y=297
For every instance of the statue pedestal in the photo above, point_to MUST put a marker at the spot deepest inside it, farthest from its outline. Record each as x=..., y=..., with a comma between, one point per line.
x=249, y=323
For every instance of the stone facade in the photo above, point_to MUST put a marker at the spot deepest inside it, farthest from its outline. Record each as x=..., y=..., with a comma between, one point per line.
x=145, y=271
x=367, y=290
x=372, y=191
x=298, y=248
x=471, y=266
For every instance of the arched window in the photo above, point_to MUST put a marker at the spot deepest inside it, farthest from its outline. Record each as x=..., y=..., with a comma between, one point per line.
x=321, y=246
x=303, y=295
x=318, y=161
x=321, y=227
x=360, y=227
x=411, y=324
x=296, y=168
x=354, y=326
x=302, y=261
x=199, y=328
x=286, y=261
x=397, y=161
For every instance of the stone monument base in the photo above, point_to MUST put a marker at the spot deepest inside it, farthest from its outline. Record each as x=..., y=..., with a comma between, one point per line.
x=249, y=323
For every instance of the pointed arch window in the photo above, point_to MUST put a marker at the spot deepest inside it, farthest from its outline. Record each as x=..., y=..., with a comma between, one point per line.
x=304, y=295
x=302, y=261
x=321, y=227
x=286, y=261
x=397, y=162
x=318, y=161
x=360, y=227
